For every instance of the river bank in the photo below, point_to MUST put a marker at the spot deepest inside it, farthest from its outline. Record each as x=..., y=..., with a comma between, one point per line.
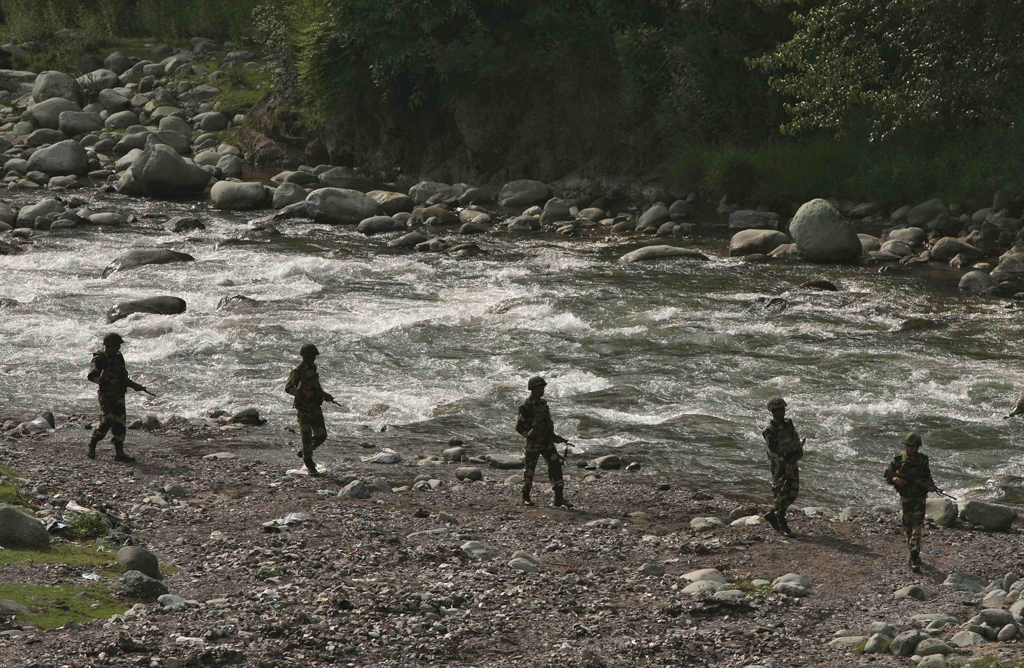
x=389, y=579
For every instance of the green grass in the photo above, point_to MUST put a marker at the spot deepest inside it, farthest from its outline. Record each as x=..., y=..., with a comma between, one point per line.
x=9, y=494
x=84, y=556
x=993, y=662
x=748, y=587
x=241, y=89
x=52, y=607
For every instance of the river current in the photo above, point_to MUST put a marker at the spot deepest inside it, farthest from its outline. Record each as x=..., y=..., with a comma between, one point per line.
x=668, y=362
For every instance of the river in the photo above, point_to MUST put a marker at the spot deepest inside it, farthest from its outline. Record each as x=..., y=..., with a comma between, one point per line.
x=669, y=362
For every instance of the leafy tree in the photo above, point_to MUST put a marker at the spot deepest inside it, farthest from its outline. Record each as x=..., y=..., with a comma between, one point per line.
x=898, y=65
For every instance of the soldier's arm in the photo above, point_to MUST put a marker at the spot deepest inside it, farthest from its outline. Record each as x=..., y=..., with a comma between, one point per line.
x=926, y=477
x=523, y=421
x=890, y=472
x=771, y=442
x=95, y=370
x=800, y=449
x=292, y=386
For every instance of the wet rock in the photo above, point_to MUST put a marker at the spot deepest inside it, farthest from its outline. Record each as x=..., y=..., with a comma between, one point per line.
x=918, y=325
x=159, y=171
x=28, y=215
x=468, y=473
x=391, y=202
x=135, y=558
x=410, y=240
x=232, y=195
x=139, y=586
x=755, y=220
x=338, y=206
x=822, y=234
x=66, y=157
x=753, y=241
x=19, y=531
x=991, y=516
x=924, y=213
x=648, y=253
x=523, y=193
x=288, y=194
x=139, y=257
x=250, y=416
x=941, y=510
x=524, y=224
x=151, y=305
x=378, y=224
x=609, y=462
x=181, y=224
x=976, y=282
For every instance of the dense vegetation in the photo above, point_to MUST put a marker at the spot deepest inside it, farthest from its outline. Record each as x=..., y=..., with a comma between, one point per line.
x=769, y=100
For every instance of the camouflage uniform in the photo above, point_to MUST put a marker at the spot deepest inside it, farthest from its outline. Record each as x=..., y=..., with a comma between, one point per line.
x=111, y=395
x=913, y=496
x=307, y=405
x=534, y=414
x=784, y=451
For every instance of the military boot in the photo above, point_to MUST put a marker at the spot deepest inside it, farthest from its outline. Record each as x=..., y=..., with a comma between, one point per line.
x=560, y=499
x=784, y=527
x=526, y=498
x=771, y=519
x=311, y=467
x=119, y=454
x=92, y=449
x=915, y=561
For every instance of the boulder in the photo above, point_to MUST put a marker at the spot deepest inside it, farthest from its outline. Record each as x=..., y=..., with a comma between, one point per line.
x=150, y=305
x=51, y=84
x=941, y=510
x=392, y=203
x=822, y=234
x=175, y=124
x=475, y=550
x=410, y=240
x=897, y=248
x=356, y=489
x=74, y=123
x=993, y=517
x=135, y=558
x=230, y=166
x=751, y=241
x=135, y=585
x=16, y=81
x=108, y=218
x=377, y=224
x=1010, y=267
x=338, y=206
x=234, y=195
x=924, y=213
x=524, y=224
x=746, y=219
x=117, y=62
x=523, y=193
x=27, y=215
x=181, y=144
x=966, y=639
x=47, y=114
x=19, y=531
x=424, y=190
x=455, y=454
x=160, y=171
x=648, y=253
x=792, y=584
x=470, y=473
x=62, y=158
x=608, y=462
x=929, y=646
x=250, y=416
x=905, y=643
x=287, y=194
x=976, y=282
x=113, y=101
x=997, y=618
x=848, y=643
x=656, y=216
x=98, y=80
x=180, y=224
x=138, y=257
x=555, y=210
x=44, y=136
x=945, y=249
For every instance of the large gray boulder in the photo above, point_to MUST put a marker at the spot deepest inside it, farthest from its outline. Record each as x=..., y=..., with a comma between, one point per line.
x=118, y=62
x=926, y=212
x=151, y=305
x=822, y=234
x=175, y=124
x=424, y=190
x=912, y=236
x=27, y=215
x=180, y=143
x=17, y=81
x=74, y=123
x=655, y=216
x=377, y=224
x=234, y=195
x=338, y=206
x=976, y=282
x=19, y=531
x=1010, y=268
x=47, y=114
x=648, y=253
x=746, y=219
x=51, y=84
x=287, y=194
x=62, y=158
x=135, y=558
x=137, y=586
x=139, y=257
x=113, y=101
x=99, y=80
x=992, y=516
x=905, y=643
x=523, y=193
x=391, y=202
x=121, y=120
x=231, y=166
x=941, y=510
x=160, y=171
x=752, y=241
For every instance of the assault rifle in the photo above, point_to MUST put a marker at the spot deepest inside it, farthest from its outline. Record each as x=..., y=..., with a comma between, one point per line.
x=890, y=474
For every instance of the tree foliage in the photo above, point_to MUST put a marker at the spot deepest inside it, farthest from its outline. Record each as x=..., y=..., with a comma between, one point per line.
x=900, y=65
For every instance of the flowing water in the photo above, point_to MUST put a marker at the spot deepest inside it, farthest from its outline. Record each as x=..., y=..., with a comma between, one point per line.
x=669, y=361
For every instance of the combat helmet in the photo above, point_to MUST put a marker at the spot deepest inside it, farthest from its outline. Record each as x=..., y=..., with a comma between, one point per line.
x=913, y=438
x=536, y=381
x=308, y=349
x=775, y=403
x=112, y=339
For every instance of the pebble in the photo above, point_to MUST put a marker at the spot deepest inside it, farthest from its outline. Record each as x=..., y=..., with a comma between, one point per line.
x=217, y=456
x=524, y=565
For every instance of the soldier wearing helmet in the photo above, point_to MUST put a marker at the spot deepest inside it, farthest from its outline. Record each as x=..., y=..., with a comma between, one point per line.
x=304, y=384
x=785, y=449
x=534, y=422
x=108, y=371
x=909, y=473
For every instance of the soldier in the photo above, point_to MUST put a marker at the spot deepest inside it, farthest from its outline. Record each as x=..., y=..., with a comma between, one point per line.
x=908, y=472
x=304, y=384
x=109, y=372
x=785, y=449
x=534, y=422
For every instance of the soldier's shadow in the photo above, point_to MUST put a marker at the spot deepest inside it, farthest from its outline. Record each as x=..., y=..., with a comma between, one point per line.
x=838, y=544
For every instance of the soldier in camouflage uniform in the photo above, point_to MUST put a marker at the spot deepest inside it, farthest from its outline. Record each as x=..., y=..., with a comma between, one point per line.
x=304, y=384
x=109, y=372
x=909, y=473
x=534, y=422
x=785, y=449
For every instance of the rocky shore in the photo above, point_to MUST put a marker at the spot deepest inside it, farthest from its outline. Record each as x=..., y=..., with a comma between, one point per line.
x=423, y=560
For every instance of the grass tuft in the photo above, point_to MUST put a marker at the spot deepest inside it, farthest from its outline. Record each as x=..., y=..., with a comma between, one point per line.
x=85, y=556
x=52, y=607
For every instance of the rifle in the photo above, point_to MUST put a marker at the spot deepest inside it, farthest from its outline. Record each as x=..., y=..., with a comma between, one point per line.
x=889, y=473
x=147, y=392
x=564, y=455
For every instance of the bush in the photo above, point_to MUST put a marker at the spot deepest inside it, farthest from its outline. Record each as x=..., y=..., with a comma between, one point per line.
x=86, y=526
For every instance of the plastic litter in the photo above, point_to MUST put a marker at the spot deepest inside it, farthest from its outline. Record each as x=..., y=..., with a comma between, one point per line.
x=386, y=456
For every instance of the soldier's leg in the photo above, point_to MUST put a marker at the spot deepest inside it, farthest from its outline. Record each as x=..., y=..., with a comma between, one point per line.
x=554, y=463
x=793, y=487
x=916, y=526
x=531, y=466
x=119, y=430
x=318, y=427
x=306, y=434
x=106, y=422
x=907, y=506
